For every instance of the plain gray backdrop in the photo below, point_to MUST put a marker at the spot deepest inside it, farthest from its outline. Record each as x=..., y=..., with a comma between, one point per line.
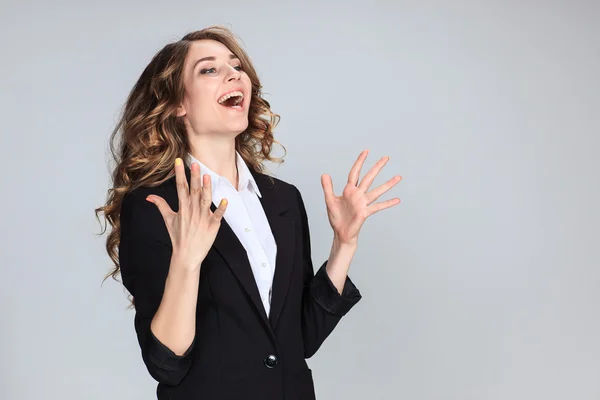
x=483, y=284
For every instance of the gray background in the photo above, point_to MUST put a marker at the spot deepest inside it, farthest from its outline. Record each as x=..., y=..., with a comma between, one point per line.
x=483, y=284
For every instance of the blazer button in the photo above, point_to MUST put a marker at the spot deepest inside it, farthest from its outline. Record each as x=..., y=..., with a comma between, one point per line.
x=270, y=361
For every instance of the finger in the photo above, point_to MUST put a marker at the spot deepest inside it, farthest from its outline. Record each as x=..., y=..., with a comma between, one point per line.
x=355, y=171
x=327, y=187
x=183, y=190
x=373, y=208
x=206, y=196
x=220, y=211
x=368, y=179
x=161, y=204
x=381, y=189
x=195, y=187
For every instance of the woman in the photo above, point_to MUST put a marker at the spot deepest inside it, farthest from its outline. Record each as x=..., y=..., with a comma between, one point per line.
x=227, y=302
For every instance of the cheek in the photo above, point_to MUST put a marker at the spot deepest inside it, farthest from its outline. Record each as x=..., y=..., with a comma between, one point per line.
x=200, y=103
x=247, y=82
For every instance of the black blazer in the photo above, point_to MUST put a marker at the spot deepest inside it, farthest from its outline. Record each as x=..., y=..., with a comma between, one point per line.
x=238, y=352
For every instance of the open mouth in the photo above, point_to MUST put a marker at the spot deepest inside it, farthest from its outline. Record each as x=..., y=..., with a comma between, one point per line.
x=232, y=100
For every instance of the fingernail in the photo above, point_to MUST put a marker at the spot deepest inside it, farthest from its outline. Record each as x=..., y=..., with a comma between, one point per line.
x=223, y=202
x=149, y=199
x=178, y=161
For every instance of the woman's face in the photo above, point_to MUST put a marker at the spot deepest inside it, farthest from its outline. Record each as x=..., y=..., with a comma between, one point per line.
x=217, y=91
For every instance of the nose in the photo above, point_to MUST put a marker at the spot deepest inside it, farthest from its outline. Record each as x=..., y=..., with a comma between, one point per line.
x=234, y=74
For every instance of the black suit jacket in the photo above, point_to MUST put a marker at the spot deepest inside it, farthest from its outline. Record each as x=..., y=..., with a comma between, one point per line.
x=238, y=352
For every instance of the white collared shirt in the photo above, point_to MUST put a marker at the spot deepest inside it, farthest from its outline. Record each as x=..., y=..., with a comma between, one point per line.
x=248, y=220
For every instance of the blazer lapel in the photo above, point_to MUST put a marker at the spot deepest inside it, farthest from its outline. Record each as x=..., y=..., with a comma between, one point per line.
x=234, y=253
x=283, y=229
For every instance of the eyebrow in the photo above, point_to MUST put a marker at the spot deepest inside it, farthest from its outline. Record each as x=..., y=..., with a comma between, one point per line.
x=212, y=58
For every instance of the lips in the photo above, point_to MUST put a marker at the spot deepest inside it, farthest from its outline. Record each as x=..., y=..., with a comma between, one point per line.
x=232, y=99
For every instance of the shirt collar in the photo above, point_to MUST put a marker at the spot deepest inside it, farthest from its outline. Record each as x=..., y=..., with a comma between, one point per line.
x=245, y=178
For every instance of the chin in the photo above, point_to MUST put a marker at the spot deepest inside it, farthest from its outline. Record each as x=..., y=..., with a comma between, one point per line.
x=236, y=128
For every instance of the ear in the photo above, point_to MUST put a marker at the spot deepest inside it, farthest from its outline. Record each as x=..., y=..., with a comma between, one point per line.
x=181, y=111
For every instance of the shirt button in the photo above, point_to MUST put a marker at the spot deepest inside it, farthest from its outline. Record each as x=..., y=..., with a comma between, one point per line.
x=247, y=229
x=264, y=264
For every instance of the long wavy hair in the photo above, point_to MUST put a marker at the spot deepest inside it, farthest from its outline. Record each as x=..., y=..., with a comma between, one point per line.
x=149, y=136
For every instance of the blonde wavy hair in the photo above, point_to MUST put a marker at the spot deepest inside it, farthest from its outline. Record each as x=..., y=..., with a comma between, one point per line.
x=149, y=136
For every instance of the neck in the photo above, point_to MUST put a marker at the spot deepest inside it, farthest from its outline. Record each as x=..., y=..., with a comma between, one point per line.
x=218, y=155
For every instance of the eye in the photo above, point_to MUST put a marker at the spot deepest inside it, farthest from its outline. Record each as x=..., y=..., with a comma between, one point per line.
x=205, y=71
x=239, y=68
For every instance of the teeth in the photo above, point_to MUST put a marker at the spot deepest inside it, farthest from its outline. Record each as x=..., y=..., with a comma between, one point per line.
x=236, y=93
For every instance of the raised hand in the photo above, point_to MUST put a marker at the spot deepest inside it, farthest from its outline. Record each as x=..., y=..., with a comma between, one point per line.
x=348, y=212
x=194, y=227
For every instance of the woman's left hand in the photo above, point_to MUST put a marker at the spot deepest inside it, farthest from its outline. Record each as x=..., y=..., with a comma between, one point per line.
x=348, y=212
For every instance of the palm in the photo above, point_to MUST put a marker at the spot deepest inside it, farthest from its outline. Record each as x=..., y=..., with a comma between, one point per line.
x=348, y=212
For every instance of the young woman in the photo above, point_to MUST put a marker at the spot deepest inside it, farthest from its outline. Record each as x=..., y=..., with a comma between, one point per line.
x=215, y=253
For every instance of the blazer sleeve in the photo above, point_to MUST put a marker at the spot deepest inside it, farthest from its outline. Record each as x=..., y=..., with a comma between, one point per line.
x=322, y=305
x=144, y=258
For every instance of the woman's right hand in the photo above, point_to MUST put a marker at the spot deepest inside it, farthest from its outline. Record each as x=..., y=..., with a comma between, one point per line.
x=194, y=227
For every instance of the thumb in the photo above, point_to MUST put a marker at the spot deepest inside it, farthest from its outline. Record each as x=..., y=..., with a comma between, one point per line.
x=161, y=204
x=327, y=187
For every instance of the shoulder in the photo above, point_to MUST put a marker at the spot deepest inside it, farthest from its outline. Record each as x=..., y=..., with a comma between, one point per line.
x=282, y=196
x=140, y=218
x=280, y=188
x=136, y=198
